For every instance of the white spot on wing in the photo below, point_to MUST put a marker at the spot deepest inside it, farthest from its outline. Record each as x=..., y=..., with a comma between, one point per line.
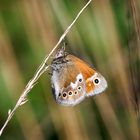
x=92, y=77
x=74, y=85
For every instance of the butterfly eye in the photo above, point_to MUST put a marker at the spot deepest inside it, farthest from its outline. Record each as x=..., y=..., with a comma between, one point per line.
x=79, y=88
x=96, y=81
x=59, y=94
x=70, y=93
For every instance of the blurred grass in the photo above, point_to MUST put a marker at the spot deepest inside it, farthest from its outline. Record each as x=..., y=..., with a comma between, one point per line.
x=105, y=36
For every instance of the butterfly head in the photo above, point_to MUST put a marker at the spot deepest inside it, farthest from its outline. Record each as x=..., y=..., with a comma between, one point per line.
x=60, y=53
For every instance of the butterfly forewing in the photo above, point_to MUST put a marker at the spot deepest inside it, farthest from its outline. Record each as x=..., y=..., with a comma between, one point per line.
x=95, y=82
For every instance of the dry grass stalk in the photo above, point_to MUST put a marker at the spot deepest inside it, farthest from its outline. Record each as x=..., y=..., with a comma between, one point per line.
x=42, y=68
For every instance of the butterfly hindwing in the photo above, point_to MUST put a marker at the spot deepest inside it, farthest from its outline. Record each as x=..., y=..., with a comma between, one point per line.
x=74, y=93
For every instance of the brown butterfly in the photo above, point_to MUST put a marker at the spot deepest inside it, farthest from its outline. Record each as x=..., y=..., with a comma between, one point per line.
x=73, y=80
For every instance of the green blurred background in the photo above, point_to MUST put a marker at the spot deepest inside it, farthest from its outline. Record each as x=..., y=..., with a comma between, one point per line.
x=106, y=35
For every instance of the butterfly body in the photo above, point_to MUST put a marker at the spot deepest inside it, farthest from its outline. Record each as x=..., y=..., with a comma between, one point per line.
x=73, y=80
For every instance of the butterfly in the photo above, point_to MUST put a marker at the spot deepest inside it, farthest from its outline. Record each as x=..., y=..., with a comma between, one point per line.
x=73, y=79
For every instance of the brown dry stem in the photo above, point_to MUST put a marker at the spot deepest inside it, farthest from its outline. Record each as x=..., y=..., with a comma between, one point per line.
x=42, y=68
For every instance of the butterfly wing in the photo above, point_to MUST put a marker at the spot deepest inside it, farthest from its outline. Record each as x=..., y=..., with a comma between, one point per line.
x=95, y=82
x=73, y=80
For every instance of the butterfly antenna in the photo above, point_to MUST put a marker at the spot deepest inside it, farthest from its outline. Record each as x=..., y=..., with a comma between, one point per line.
x=65, y=44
